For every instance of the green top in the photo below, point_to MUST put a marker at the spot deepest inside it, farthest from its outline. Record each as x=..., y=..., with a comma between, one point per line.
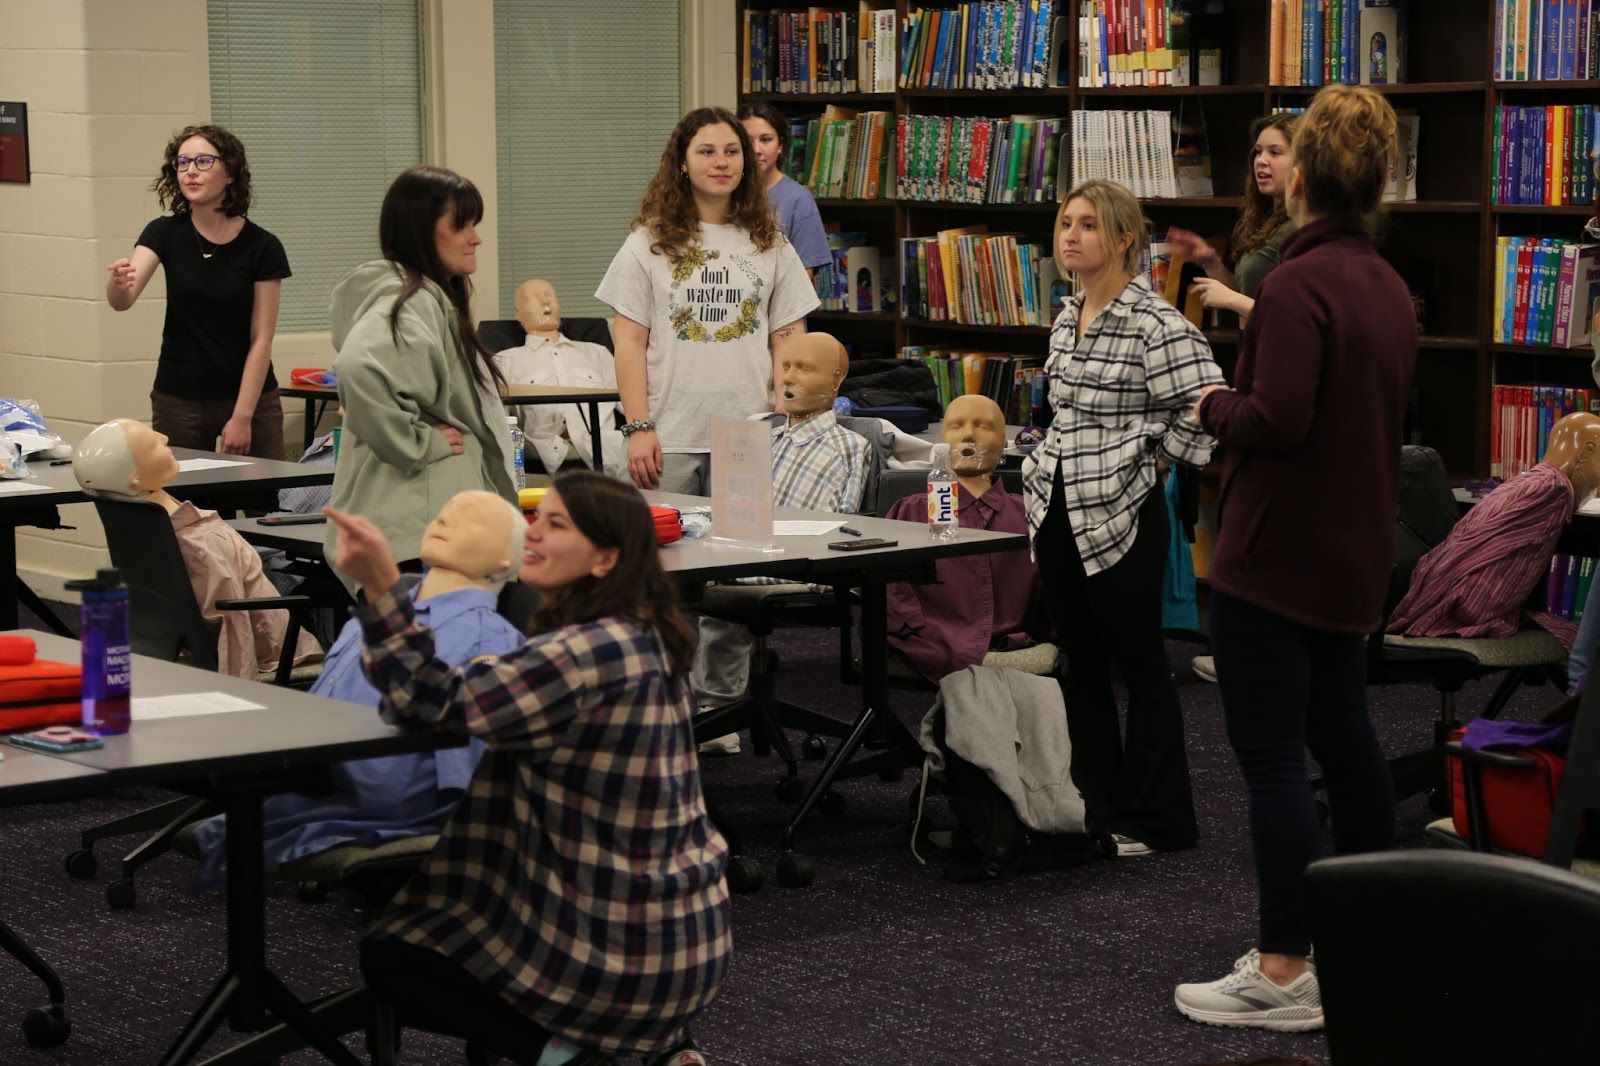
x=1254, y=264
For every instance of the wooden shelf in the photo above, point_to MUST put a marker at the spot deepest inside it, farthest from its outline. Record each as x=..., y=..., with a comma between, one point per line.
x=1230, y=202
x=1583, y=351
x=955, y=205
x=1173, y=90
x=1437, y=342
x=1576, y=210
x=845, y=201
x=888, y=317
x=821, y=98
x=1223, y=336
x=968, y=327
x=1577, y=83
x=985, y=94
x=1410, y=88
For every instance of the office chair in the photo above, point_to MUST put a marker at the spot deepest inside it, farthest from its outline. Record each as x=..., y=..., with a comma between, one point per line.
x=1427, y=512
x=1483, y=991
x=502, y=333
x=165, y=623
x=42, y=1026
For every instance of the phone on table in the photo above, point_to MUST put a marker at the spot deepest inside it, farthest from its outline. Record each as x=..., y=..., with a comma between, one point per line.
x=861, y=545
x=58, y=738
x=291, y=519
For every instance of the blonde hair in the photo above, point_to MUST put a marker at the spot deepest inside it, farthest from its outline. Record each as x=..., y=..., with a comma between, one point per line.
x=1343, y=147
x=1117, y=211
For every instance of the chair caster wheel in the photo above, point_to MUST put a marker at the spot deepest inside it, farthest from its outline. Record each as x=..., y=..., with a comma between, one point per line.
x=813, y=748
x=744, y=875
x=46, y=1026
x=120, y=895
x=832, y=804
x=82, y=864
x=311, y=892
x=795, y=871
x=789, y=790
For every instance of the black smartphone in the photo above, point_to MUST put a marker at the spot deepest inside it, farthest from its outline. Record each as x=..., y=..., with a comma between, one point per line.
x=291, y=519
x=861, y=545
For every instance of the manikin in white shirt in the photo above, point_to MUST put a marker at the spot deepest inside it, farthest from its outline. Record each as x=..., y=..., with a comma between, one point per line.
x=548, y=358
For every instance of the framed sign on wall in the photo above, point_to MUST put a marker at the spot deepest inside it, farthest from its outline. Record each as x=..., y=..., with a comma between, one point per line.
x=14, y=142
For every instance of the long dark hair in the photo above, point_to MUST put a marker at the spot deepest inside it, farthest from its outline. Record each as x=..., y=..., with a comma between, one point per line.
x=612, y=514
x=411, y=209
x=772, y=117
x=668, y=210
x=230, y=150
x=1262, y=215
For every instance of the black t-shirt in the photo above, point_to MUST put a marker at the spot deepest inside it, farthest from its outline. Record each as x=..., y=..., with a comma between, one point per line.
x=209, y=302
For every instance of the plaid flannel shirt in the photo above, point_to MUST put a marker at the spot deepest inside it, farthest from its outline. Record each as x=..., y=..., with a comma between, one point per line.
x=580, y=877
x=818, y=465
x=1123, y=394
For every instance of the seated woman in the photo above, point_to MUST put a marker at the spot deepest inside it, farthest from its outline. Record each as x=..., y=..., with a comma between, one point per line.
x=472, y=549
x=577, y=892
x=128, y=459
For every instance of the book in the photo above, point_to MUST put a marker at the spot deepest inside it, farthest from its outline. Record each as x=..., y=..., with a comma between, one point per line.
x=1577, y=298
x=1379, y=45
x=1191, y=152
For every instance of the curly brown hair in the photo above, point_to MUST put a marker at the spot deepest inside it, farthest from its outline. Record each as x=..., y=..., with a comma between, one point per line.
x=668, y=209
x=230, y=150
x=1262, y=214
x=1343, y=148
x=612, y=514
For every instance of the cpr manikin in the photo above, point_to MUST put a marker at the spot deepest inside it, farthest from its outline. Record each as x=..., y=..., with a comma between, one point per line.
x=548, y=357
x=814, y=365
x=471, y=549
x=128, y=459
x=975, y=429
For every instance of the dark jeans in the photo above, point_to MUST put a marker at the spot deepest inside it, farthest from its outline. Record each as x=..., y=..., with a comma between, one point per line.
x=1286, y=688
x=198, y=423
x=1138, y=785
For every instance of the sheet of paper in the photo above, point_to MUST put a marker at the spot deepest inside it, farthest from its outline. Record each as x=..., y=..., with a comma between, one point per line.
x=208, y=464
x=1590, y=506
x=803, y=528
x=145, y=708
x=9, y=487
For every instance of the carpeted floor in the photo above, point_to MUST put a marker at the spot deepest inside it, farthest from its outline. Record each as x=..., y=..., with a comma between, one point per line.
x=879, y=963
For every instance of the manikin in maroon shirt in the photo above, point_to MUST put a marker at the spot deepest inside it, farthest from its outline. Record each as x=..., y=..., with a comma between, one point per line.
x=1475, y=583
x=981, y=603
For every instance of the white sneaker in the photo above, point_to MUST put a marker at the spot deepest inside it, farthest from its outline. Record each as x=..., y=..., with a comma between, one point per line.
x=1129, y=848
x=1248, y=998
x=723, y=745
x=1205, y=668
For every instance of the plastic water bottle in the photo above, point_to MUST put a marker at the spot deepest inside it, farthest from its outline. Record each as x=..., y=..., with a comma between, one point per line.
x=943, y=504
x=519, y=469
x=107, y=662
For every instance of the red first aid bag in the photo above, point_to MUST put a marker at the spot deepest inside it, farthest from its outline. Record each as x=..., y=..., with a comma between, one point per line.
x=1517, y=803
x=37, y=692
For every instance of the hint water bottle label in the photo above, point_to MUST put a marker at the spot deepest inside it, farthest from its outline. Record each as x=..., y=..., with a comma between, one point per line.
x=941, y=504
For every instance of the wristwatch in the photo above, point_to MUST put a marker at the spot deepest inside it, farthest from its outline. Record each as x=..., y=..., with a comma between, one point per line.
x=637, y=425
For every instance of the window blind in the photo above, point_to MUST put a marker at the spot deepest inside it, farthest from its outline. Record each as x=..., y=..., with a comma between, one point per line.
x=586, y=92
x=327, y=98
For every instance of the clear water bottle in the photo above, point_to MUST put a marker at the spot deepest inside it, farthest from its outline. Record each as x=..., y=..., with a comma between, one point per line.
x=519, y=469
x=107, y=659
x=943, y=504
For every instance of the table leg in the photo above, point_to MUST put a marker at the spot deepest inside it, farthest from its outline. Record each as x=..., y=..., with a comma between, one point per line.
x=9, y=582
x=594, y=436
x=311, y=425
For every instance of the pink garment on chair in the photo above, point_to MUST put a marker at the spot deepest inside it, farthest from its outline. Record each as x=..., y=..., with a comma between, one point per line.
x=1477, y=582
x=223, y=566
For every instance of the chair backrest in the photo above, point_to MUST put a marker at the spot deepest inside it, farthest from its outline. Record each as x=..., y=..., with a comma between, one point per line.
x=164, y=619
x=502, y=333
x=1414, y=966
x=1427, y=512
x=895, y=485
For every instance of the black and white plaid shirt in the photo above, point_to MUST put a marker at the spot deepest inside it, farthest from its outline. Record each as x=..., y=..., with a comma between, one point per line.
x=1123, y=395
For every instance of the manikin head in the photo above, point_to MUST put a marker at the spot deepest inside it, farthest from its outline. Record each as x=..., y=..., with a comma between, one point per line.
x=813, y=365
x=1574, y=449
x=975, y=429
x=477, y=535
x=538, y=308
x=124, y=458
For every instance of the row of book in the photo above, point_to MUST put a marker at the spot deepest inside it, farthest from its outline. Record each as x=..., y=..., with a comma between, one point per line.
x=982, y=44
x=971, y=276
x=1546, y=40
x=1149, y=42
x=849, y=153
x=1017, y=383
x=1132, y=148
x=1329, y=42
x=1566, y=589
x=819, y=51
x=1520, y=417
x=1542, y=155
x=980, y=160
x=1546, y=291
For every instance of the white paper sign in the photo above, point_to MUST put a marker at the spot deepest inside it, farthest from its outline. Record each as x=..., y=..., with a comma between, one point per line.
x=9, y=487
x=208, y=464
x=803, y=528
x=145, y=708
x=741, y=480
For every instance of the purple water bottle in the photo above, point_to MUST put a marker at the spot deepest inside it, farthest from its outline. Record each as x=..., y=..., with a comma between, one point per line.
x=107, y=662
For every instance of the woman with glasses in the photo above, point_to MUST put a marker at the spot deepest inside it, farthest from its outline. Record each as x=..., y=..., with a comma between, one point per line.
x=224, y=280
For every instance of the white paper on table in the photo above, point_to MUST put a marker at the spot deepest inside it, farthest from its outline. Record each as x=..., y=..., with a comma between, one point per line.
x=803, y=528
x=1590, y=506
x=10, y=486
x=145, y=708
x=208, y=464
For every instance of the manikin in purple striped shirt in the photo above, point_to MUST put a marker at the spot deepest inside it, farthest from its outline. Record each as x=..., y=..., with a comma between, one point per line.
x=1476, y=582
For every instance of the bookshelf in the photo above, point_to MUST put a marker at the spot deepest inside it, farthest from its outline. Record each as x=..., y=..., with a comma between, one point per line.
x=1443, y=243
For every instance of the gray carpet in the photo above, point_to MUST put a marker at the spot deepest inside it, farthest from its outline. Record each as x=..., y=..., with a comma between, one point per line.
x=879, y=963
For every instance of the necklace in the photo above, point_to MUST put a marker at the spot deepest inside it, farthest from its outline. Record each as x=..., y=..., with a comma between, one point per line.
x=201, y=244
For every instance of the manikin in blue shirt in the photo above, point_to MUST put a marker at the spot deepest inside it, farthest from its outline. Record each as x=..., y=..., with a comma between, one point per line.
x=471, y=550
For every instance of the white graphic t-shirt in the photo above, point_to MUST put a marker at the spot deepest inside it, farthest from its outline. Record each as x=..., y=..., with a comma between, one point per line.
x=709, y=311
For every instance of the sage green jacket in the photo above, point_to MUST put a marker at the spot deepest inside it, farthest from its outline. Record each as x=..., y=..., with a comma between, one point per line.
x=394, y=466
